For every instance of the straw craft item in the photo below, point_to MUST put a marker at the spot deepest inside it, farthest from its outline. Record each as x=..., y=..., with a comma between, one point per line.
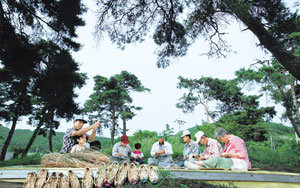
x=74, y=180
x=63, y=181
x=83, y=159
x=133, y=176
x=153, y=175
x=41, y=179
x=87, y=180
x=122, y=175
x=101, y=175
x=112, y=173
x=143, y=173
x=51, y=182
x=30, y=180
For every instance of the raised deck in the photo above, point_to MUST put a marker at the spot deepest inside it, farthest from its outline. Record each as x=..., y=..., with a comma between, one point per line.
x=238, y=178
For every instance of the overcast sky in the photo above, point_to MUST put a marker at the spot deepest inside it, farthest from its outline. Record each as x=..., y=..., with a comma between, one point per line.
x=105, y=59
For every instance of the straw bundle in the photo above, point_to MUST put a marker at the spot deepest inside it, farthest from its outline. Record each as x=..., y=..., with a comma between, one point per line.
x=74, y=180
x=51, y=182
x=41, y=179
x=143, y=173
x=122, y=175
x=63, y=181
x=112, y=173
x=87, y=180
x=101, y=175
x=30, y=180
x=133, y=176
x=153, y=175
x=83, y=159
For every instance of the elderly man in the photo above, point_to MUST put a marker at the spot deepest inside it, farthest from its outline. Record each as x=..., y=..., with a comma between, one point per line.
x=212, y=147
x=161, y=152
x=191, y=148
x=121, y=150
x=77, y=130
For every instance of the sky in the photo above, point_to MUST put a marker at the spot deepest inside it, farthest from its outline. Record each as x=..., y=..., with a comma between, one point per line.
x=159, y=105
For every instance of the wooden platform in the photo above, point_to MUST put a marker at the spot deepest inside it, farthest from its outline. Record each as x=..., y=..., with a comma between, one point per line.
x=255, y=178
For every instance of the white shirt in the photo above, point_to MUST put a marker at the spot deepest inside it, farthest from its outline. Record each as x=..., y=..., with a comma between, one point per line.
x=166, y=146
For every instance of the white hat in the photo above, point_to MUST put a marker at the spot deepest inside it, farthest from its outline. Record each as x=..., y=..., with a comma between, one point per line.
x=185, y=132
x=198, y=136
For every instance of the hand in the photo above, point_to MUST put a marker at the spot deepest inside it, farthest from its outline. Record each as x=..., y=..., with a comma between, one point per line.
x=225, y=155
x=162, y=152
x=96, y=125
x=120, y=154
x=135, y=157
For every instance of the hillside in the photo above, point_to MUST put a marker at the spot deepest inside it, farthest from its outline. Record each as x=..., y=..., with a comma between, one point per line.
x=22, y=136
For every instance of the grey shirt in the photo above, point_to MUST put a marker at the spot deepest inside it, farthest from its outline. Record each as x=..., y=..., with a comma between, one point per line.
x=118, y=148
x=192, y=148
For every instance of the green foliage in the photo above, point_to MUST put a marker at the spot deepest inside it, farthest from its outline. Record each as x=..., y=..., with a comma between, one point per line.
x=285, y=157
x=247, y=124
x=278, y=83
x=168, y=131
x=111, y=98
x=34, y=159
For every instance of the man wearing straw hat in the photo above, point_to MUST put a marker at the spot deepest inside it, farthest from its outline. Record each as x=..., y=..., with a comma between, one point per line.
x=77, y=130
x=161, y=152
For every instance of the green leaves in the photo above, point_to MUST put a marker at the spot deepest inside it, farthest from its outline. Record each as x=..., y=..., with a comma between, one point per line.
x=111, y=99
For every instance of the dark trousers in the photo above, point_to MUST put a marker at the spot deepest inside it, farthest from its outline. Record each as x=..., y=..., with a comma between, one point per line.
x=137, y=160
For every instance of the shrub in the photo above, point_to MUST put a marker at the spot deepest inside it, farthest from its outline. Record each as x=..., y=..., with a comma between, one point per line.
x=28, y=160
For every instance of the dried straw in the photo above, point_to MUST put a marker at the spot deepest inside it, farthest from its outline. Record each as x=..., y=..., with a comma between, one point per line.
x=63, y=181
x=52, y=181
x=87, y=180
x=143, y=173
x=112, y=173
x=30, y=180
x=41, y=179
x=133, y=176
x=101, y=175
x=74, y=180
x=122, y=175
x=83, y=159
x=153, y=175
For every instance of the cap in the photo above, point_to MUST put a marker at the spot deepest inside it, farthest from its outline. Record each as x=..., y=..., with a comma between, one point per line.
x=198, y=136
x=124, y=139
x=160, y=134
x=79, y=118
x=185, y=132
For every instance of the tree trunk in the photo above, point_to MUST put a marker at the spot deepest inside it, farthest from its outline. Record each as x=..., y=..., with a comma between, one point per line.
x=8, y=139
x=289, y=111
x=124, y=126
x=51, y=132
x=36, y=131
x=287, y=59
x=112, y=134
x=296, y=106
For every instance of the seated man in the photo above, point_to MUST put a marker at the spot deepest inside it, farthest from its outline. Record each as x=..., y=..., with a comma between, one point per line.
x=212, y=147
x=77, y=130
x=161, y=152
x=121, y=150
x=191, y=148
